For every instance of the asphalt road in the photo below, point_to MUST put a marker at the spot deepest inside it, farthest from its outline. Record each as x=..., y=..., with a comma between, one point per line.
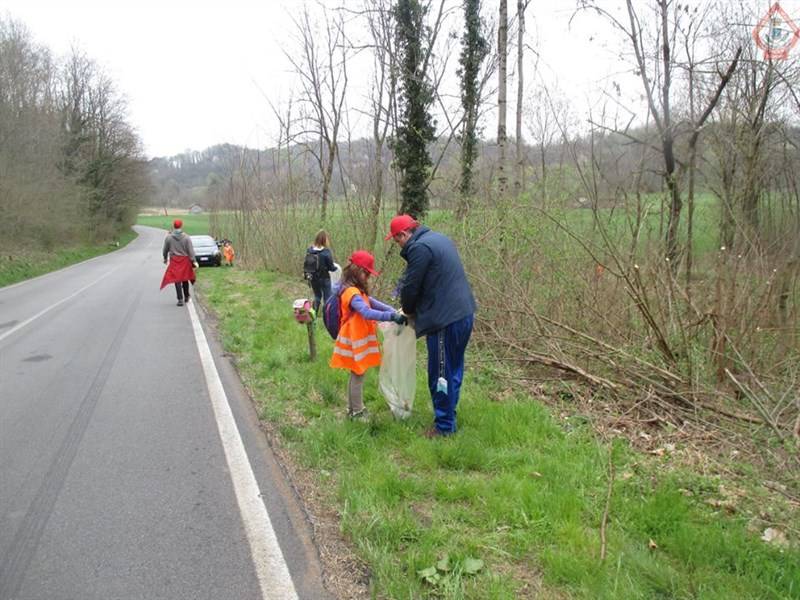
x=119, y=475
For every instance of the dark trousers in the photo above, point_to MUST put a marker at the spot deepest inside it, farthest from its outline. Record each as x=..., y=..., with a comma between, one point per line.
x=446, y=350
x=182, y=288
x=322, y=291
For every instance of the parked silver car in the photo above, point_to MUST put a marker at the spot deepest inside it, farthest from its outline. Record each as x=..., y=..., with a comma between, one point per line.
x=206, y=251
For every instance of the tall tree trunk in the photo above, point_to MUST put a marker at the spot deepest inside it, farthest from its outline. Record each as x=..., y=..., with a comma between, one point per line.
x=416, y=128
x=473, y=50
x=543, y=162
x=690, y=187
x=377, y=199
x=690, y=217
x=502, y=56
x=384, y=88
x=697, y=125
x=519, y=171
x=668, y=142
x=727, y=228
x=326, y=181
x=752, y=187
x=327, y=178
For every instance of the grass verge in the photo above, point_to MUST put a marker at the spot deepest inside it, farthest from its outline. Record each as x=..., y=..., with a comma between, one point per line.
x=28, y=263
x=510, y=507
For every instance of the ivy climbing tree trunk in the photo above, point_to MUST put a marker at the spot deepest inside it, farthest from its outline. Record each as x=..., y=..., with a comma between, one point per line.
x=416, y=127
x=473, y=51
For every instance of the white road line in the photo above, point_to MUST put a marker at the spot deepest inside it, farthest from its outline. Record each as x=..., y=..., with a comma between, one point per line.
x=51, y=307
x=273, y=574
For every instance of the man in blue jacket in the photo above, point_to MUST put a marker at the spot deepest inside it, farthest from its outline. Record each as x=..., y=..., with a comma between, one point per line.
x=434, y=289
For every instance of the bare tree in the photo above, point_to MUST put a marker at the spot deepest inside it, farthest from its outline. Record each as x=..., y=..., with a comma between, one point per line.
x=655, y=63
x=284, y=181
x=70, y=162
x=322, y=72
x=546, y=115
x=77, y=74
x=382, y=98
x=748, y=135
x=691, y=34
x=29, y=138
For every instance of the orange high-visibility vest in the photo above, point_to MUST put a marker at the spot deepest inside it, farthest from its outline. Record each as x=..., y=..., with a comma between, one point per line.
x=228, y=252
x=356, y=348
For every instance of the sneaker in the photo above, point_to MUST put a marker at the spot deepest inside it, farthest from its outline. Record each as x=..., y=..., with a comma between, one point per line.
x=362, y=415
x=180, y=302
x=187, y=297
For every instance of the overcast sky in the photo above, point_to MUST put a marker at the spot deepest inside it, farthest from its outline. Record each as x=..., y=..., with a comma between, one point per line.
x=197, y=73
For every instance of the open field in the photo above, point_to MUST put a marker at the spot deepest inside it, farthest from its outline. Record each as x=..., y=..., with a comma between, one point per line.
x=192, y=224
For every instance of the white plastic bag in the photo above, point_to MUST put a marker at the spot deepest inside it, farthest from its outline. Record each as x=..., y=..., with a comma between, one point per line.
x=398, y=375
x=337, y=274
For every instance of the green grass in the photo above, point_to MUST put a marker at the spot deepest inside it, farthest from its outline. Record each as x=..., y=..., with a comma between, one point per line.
x=32, y=262
x=192, y=224
x=517, y=488
x=619, y=221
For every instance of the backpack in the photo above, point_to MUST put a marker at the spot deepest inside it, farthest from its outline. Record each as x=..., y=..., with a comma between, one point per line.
x=311, y=265
x=332, y=312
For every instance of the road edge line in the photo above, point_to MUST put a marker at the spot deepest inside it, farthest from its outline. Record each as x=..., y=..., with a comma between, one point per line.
x=271, y=569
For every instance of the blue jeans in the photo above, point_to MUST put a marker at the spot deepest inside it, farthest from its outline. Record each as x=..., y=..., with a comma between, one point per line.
x=446, y=359
x=322, y=291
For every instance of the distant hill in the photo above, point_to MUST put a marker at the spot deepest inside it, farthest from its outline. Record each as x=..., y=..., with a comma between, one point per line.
x=198, y=177
x=183, y=179
x=190, y=177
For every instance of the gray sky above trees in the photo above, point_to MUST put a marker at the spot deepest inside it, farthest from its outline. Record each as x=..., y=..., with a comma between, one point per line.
x=197, y=73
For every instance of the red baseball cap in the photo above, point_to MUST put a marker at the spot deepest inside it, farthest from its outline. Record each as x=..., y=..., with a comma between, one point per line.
x=365, y=260
x=177, y=223
x=399, y=224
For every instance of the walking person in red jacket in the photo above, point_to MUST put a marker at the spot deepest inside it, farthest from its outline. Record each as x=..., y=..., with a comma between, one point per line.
x=180, y=270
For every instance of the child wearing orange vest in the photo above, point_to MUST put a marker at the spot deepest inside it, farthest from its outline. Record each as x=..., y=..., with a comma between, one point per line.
x=228, y=253
x=356, y=347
